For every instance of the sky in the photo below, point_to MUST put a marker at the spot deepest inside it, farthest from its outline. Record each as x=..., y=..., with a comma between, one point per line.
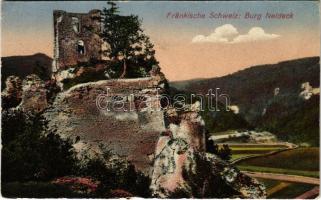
x=186, y=48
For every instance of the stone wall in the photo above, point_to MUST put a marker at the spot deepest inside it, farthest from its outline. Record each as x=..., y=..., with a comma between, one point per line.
x=130, y=134
x=76, y=38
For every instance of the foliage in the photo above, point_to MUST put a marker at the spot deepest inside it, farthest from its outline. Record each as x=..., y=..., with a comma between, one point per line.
x=42, y=71
x=224, y=152
x=115, y=175
x=299, y=125
x=129, y=46
x=215, y=121
x=88, y=76
x=252, y=89
x=27, y=154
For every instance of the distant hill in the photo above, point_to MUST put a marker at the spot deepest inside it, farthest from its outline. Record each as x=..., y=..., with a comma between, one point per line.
x=267, y=95
x=24, y=65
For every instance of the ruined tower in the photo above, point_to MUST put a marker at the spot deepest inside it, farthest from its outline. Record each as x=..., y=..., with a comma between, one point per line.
x=76, y=38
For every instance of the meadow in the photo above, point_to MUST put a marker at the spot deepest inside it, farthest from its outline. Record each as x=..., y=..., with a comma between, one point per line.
x=300, y=161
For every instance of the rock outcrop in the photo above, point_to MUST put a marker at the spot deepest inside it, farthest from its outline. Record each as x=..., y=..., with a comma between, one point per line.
x=122, y=114
x=126, y=117
x=12, y=94
x=34, y=94
x=182, y=168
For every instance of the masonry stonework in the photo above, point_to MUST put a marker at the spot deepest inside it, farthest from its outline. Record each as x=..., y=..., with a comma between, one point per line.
x=76, y=38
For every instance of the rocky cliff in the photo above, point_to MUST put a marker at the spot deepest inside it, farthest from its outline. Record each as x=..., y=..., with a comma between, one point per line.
x=127, y=129
x=182, y=168
x=126, y=117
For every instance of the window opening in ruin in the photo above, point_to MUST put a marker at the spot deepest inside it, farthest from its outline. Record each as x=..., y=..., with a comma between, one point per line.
x=75, y=24
x=81, y=47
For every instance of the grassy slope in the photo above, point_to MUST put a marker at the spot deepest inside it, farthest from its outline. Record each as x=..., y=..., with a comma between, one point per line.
x=302, y=161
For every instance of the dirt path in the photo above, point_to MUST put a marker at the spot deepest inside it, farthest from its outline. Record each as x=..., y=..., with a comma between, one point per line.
x=283, y=177
x=309, y=194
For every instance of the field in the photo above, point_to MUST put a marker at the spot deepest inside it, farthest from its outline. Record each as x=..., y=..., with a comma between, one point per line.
x=301, y=161
x=314, y=174
x=279, y=189
x=245, y=150
x=278, y=158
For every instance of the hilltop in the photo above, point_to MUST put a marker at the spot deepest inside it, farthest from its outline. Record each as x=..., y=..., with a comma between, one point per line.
x=272, y=96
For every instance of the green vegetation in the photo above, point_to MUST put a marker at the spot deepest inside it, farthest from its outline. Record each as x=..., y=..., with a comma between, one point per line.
x=223, y=120
x=298, y=123
x=237, y=156
x=27, y=154
x=292, y=191
x=239, y=150
x=301, y=161
x=287, y=115
x=30, y=159
x=129, y=46
x=90, y=74
x=42, y=71
x=223, y=151
x=249, y=146
x=268, y=183
x=305, y=159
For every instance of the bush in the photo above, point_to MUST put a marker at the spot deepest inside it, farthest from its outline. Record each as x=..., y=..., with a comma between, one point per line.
x=118, y=176
x=29, y=159
x=27, y=154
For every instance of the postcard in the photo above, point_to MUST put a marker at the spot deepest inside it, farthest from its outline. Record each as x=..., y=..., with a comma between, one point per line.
x=160, y=99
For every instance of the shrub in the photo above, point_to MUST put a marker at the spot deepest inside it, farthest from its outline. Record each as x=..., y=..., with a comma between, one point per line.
x=27, y=154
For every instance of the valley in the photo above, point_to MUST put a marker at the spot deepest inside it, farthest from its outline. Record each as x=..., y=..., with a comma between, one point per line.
x=286, y=170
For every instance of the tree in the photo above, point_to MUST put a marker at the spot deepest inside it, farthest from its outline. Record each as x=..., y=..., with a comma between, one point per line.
x=128, y=43
x=27, y=154
x=225, y=153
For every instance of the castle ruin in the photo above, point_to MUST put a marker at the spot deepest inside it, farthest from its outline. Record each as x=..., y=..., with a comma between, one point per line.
x=76, y=38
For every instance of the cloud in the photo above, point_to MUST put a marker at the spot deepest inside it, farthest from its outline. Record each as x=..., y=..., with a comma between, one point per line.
x=229, y=34
x=254, y=34
x=220, y=35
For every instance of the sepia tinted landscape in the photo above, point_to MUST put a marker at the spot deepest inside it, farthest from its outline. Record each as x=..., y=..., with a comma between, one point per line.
x=110, y=103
